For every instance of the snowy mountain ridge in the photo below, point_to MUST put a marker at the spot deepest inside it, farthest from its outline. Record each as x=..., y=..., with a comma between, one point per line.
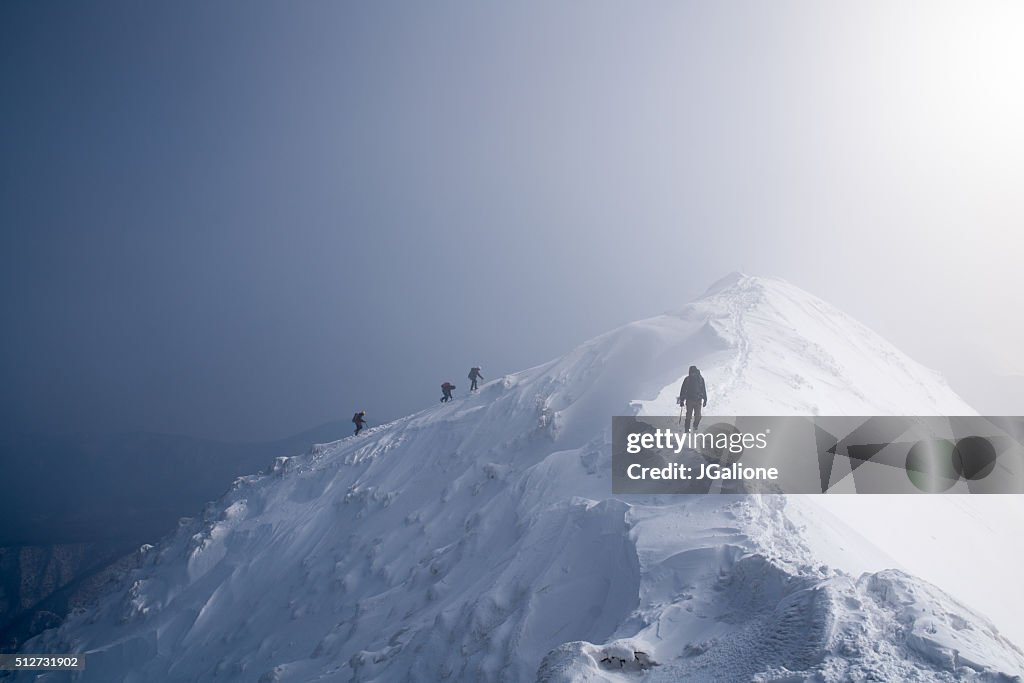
x=479, y=540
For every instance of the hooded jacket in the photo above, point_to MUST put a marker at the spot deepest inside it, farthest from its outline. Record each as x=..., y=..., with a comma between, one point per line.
x=693, y=386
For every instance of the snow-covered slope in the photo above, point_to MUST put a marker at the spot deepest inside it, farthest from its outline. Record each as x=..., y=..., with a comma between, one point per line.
x=479, y=540
x=772, y=349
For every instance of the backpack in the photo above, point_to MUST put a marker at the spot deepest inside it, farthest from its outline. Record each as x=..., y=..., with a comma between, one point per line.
x=356, y=418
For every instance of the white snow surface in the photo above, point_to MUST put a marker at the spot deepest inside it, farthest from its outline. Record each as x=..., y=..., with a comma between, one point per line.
x=479, y=540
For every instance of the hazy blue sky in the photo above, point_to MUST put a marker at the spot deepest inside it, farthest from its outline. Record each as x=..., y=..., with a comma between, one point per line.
x=242, y=219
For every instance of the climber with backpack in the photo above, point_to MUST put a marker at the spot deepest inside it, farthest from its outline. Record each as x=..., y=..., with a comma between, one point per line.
x=693, y=395
x=446, y=392
x=359, y=420
x=474, y=375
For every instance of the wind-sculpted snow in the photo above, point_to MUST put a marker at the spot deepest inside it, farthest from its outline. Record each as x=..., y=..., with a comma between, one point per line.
x=479, y=541
x=725, y=613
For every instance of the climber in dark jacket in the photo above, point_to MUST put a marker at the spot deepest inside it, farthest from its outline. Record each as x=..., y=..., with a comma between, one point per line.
x=359, y=420
x=694, y=395
x=446, y=392
x=474, y=375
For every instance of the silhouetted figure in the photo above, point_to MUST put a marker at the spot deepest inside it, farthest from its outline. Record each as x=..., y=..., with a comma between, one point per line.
x=359, y=420
x=694, y=395
x=446, y=392
x=474, y=375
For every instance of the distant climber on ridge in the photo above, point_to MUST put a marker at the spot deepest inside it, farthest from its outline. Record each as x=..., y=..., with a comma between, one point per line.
x=359, y=420
x=446, y=392
x=474, y=375
x=693, y=394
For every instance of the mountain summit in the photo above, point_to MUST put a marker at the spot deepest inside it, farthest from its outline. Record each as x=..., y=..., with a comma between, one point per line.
x=479, y=541
x=769, y=345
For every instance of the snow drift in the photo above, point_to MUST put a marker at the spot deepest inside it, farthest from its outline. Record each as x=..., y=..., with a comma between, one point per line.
x=479, y=541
